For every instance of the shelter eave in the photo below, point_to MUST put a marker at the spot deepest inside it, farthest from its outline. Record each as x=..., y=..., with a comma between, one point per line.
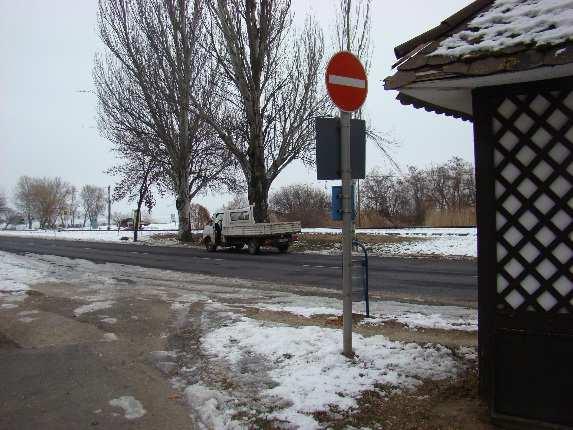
x=451, y=95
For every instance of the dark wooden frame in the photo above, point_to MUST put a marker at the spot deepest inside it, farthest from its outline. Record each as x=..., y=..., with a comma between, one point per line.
x=492, y=321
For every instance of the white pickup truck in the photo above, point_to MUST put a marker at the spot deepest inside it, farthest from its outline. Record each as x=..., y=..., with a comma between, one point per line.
x=237, y=228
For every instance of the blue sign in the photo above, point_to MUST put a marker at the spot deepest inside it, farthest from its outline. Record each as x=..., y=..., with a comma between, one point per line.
x=336, y=206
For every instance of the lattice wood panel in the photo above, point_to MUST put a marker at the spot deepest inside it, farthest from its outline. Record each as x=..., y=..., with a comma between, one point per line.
x=533, y=159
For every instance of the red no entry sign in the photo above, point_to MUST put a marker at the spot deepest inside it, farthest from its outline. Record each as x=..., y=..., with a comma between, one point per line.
x=346, y=81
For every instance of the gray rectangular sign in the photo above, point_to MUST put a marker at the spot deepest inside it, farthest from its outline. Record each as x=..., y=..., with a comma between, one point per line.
x=328, y=148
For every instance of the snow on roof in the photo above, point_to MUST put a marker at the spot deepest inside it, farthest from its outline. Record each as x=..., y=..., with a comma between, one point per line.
x=509, y=23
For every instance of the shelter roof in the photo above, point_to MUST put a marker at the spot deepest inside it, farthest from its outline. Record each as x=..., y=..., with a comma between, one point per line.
x=487, y=43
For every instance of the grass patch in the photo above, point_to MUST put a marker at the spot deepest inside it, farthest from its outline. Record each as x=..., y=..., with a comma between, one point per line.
x=171, y=238
x=333, y=242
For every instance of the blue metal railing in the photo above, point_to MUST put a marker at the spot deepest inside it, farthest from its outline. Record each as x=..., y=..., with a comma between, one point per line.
x=364, y=263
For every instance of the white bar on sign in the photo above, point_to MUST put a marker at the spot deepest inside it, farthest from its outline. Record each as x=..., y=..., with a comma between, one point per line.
x=346, y=81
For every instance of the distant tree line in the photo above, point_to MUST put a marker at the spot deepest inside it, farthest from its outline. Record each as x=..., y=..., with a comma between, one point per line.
x=440, y=195
x=52, y=202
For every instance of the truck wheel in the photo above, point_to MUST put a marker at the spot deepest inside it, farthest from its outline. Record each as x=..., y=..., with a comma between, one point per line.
x=283, y=247
x=253, y=247
x=209, y=246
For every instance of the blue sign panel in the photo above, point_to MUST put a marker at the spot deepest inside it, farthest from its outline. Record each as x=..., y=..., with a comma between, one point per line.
x=336, y=207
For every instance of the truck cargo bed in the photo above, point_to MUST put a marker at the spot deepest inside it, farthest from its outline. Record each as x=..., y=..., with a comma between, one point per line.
x=263, y=229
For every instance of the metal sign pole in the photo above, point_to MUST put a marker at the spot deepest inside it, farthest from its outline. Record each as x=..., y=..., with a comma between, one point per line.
x=346, y=232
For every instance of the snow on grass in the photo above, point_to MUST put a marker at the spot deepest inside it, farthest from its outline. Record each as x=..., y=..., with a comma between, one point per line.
x=410, y=314
x=108, y=320
x=311, y=374
x=431, y=241
x=92, y=307
x=132, y=407
x=303, y=311
x=509, y=23
x=91, y=235
x=405, y=232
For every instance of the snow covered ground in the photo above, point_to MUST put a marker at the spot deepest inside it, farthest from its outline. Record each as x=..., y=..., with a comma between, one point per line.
x=101, y=234
x=425, y=241
x=278, y=371
x=459, y=242
x=310, y=374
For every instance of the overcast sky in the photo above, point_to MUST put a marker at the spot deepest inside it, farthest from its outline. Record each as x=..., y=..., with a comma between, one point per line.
x=47, y=112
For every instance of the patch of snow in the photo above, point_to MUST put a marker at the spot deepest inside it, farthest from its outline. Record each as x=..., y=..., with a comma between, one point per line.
x=210, y=407
x=310, y=371
x=26, y=313
x=460, y=242
x=132, y=408
x=509, y=23
x=92, y=307
x=27, y=319
x=8, y=306
x=109, y=320
x=306, y=312
x=102, y=234
x=17, y=274
x=110, y=337
x=402, y=232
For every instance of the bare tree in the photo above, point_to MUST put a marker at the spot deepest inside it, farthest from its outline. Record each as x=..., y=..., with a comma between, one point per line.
x=268, y=89
x=301, y=202
x=93, y=203
x=3, y=203
x=238, y=201
x=24, y=198
x=7, y=214
x=199, y=216
x=154, y=65
x=137, y=176
x=73, y=204
x=11, y=217
x=444, y=192
x=50, y=196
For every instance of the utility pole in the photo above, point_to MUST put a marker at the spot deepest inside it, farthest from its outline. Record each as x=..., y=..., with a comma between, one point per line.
x=346, y=232
x=108, y=207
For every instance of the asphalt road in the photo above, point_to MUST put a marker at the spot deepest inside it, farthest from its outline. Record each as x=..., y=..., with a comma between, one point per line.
x=435, y=280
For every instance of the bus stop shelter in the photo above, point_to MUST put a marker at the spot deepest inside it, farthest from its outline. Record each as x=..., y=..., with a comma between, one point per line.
x=507, y=66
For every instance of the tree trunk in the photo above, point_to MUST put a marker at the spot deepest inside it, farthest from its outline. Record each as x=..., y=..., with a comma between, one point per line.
x=29, y=222
x=183, y=204
x=183, y=207
x=258, y=183
x=137, y=220
x=259, y=194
